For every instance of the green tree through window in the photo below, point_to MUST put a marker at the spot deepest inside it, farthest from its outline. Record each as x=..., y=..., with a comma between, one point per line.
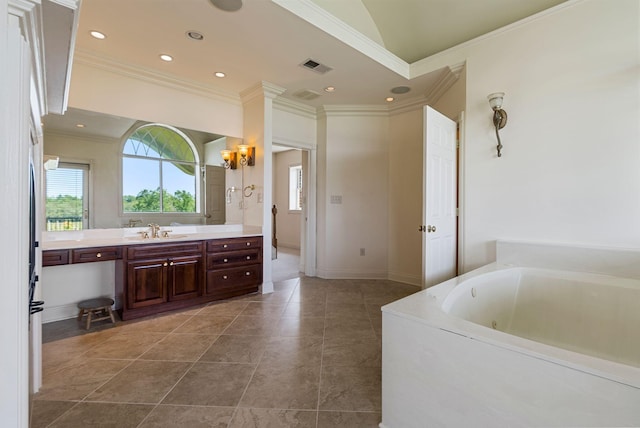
x=159, y=167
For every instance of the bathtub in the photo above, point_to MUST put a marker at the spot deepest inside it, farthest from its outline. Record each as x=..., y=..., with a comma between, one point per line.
x=547, y=335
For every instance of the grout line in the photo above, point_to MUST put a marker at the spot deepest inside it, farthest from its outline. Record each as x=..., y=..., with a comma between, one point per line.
x=326, y=296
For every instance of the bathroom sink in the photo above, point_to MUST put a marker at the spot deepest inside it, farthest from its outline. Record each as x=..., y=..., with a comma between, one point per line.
x=162, y=238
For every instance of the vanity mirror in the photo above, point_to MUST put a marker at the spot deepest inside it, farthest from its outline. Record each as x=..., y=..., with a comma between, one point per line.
x=122, y=172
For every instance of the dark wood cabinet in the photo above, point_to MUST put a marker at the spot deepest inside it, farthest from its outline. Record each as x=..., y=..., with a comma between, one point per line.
x=158, y=277
x=161, y=277
x=234, y=266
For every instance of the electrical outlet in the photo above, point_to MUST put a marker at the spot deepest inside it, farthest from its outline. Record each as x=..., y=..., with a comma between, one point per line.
x=362, y=251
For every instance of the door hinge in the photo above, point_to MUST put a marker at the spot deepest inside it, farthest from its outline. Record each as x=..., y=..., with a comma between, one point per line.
x=457, y=212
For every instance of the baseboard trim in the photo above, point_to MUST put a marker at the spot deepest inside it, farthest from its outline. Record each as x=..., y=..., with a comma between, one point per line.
x=406, y=279
x=350, y=274
x=59, y=313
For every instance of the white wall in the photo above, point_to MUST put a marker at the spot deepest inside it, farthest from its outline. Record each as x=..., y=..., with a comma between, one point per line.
x=353, y=152
x=570, y=170
x=287, y=222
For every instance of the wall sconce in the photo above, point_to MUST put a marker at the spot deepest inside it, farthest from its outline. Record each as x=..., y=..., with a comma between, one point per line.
x=499, y=115
x=247, y=155
x=229, y=159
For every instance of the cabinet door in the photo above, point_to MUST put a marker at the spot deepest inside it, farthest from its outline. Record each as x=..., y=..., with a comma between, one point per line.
x=146, y=282
x=185, y=280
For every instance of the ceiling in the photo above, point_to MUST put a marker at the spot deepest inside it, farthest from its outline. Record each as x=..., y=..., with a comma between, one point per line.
x=368, y=44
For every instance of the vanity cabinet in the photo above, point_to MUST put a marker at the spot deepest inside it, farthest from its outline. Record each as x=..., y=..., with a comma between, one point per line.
x=161, y=277
x=234, y=266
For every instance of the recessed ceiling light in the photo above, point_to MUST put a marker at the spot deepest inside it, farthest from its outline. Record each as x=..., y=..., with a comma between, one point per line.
x=79, y=125
x=97, y=35
x=166, y=57
x=389, y=99
x=194, y=35
x=227, y=5
x=219, y=74
x=330, y=89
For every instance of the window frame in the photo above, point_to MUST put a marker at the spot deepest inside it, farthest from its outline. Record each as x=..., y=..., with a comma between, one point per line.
x=290, y=188
x=86, y=166
x=159, y=215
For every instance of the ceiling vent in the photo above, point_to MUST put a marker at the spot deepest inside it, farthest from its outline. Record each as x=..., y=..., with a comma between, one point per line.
x=316, y=66
x=306, y=94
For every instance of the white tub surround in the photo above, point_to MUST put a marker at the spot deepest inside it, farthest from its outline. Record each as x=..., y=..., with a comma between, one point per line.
x=548, y=335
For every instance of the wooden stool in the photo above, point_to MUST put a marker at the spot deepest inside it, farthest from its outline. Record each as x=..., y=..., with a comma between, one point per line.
x=100, y=307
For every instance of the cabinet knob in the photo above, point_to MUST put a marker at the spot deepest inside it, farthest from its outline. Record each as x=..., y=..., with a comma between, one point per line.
x=225, y=246
x=248, y=244
x=225, y=260
x=165, y=264
x=171, y=264
x=99, y=255
x=224, y=277
x=247, y=273
x=248, y=257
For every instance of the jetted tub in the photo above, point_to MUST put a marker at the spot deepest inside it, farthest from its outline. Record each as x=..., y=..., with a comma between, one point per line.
x=520, y=342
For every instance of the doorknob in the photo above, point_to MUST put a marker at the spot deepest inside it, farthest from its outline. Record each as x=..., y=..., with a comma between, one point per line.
x=431, y=229
x=421, y=228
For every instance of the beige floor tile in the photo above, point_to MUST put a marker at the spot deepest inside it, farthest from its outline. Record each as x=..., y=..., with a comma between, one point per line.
x=45, y=412
x=363, y=352
x=104, y=415
x=292, y=352
x=126, y=345
x=348, y=419
x=236, y=349
x=351, y=388
x=205, y=324
x=165, y=416
x=224, y=309
x=158, y=324
x=286, y=285
x=267, y=418
x=253, y=326
x=141, y=382
x=211, y=384
x=348, y=328
x=282, y=387
x=307, y=308
x=277, y=297
x=262, y=309
x=301, y=326
x=180, y=347
x=77, y=381
x=346, y=310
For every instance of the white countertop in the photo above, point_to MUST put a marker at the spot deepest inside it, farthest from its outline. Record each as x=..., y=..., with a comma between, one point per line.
x=131, y=236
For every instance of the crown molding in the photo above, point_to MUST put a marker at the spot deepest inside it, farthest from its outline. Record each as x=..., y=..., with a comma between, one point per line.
x=320, y=18
x=77, y=138
x=352, y=110
x=140, y=73
x=445, y=81
x=261, y=89
x=293, y=144
x=290, y=106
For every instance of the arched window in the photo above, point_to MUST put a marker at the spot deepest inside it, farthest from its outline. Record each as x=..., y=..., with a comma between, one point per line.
x=159, y=171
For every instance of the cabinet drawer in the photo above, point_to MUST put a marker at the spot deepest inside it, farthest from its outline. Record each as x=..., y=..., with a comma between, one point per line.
x=228, y=279
x=97, y=254
x=164, y=250
x=223, y=245
x=233, y=259
x=55, y=257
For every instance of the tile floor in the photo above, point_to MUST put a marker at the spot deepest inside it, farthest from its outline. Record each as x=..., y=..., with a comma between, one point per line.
x=307, y=355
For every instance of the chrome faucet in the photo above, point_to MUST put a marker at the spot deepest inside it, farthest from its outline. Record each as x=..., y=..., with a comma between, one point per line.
x=155, y=229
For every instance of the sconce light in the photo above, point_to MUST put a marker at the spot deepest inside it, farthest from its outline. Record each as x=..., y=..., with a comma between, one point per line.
x=229, y=159
x=247, y=155
x=499, y=115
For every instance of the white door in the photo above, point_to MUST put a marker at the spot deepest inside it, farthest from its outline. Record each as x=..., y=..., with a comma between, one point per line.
x=439, y=225
x=215, y=207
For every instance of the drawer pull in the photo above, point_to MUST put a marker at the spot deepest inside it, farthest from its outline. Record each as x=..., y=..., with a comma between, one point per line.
x=225, y=246
x=225, y=260
x=224, y=277
x=248, y=244
x=171, y=264
x=165, y=264
x=247, y=273
x=99, y=255
x=248, y=257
